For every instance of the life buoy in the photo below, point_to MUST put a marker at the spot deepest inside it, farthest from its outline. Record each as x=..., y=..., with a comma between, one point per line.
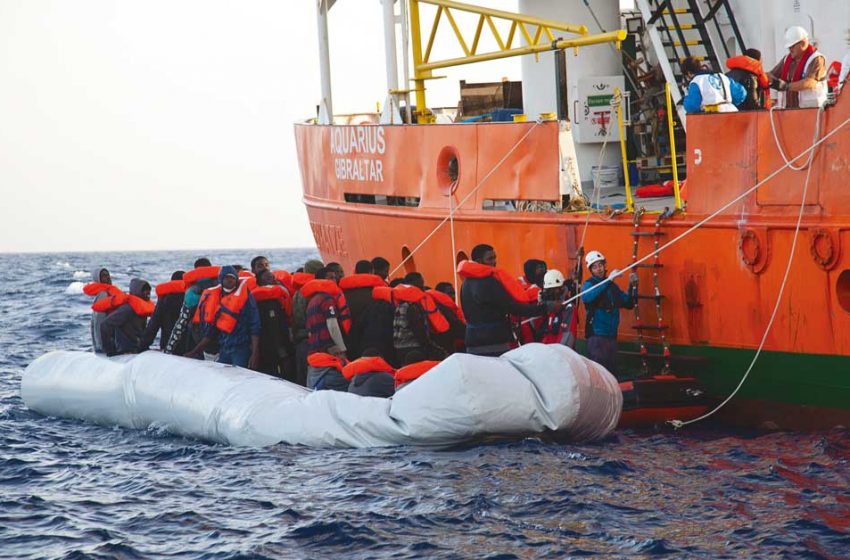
x=366, y=365
x=171, y=287
x=472, y=269
x=413, y=371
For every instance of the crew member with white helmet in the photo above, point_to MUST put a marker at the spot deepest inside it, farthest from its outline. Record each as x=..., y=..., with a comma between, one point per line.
x=560, y=326
x=800, y=76
x=602, y=301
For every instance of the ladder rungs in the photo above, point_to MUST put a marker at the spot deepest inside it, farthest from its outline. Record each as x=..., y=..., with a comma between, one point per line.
x=682, y=26
x=691, y=43
x=640, y=296
x=648, y=233
x=649, y=265
x=677, y=11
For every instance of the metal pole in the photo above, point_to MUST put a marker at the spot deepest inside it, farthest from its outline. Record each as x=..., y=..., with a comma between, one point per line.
x=630, y=204
x=561, y=84
x=326, y=110
x=676, y=193
x=390, y=48
x=405, y=47
x=418, y=74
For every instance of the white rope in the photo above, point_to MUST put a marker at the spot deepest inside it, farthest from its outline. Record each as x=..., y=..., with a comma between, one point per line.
x=716, y=213
x=779, y=144
x=808, y=165
x=467, y=197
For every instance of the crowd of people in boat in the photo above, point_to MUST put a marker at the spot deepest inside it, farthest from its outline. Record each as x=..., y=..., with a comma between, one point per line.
x=801, y=77
x=359, y=332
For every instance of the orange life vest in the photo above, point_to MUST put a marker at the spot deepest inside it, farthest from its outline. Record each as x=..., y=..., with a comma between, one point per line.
x=366, y=365
x=413, y=371
x=141, y=307
x=447, y=301
x=200, y=273
x=355, y=281
x=753, y=66
x=324, y=360
x=223, y=311
x=299, y=279
x=95, y=288
x=172, y=287
x=411, y=294
x=329, y=288
x=280, y=293
x=472, y=269
x=285, y=278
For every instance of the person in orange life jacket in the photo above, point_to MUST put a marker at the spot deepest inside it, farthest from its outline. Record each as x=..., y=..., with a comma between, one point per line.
x=370, y=375
x=415, y=367
x=100, y=287
x=169, y=301
x=532, y=279
x=258, y=265
x=371, y=320
x=229, y=312
x=603, y=300
x=324, y=372
x=336, y=270
x=412, y=329
x=122, y=329
x=800, y=76
x=488, y=297
x=709, y=92
x=396, y=282
x=328, y=319
x=381, y=267
x=746, y=70
x=277, y=355
x=559, y=327
x=187, y=331
x=453, y=339
x=299, y=318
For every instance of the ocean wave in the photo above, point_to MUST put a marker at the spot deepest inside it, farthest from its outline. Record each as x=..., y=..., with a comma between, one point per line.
x=75, y=288
x=81, y=275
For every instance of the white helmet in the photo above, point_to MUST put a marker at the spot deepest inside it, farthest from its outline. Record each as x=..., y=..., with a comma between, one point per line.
x=794, y=35
x=593, y=257
x=553, y=279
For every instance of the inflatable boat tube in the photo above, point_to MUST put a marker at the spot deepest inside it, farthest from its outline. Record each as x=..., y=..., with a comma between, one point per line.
x=533, y=389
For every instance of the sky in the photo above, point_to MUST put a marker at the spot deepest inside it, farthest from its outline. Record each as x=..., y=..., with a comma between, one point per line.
x=168, y=124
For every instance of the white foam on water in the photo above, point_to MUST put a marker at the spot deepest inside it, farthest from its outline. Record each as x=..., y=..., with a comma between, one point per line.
x=62, y=264
x=75, y=288
x=81, y=274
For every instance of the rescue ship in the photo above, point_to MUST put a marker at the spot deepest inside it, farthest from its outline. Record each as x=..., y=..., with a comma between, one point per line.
x=744, y=272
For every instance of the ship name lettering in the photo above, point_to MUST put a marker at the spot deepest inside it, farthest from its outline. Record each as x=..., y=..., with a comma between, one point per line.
x=358, y=140
x=359, y=169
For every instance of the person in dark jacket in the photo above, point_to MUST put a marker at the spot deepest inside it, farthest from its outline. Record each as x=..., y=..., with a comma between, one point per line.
x=370, y=376
x=746, y=69
x=602, y=301
x=277, y=355
x=533, y=272
x=453, y=339
x=122, y=330
x=298, y=324
x=165, y=315
x=487, y=304
x=381, y=267
x=358, y=294
x=102, y=276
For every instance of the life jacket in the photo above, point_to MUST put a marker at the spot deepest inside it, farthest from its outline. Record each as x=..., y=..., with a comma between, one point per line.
x=753, y=66
x=250, y=280
x=413, y=371
x=141, y=307
x=366, y=365
x=716, y=92
x=299, y=279
x=95, y=288
x=172, y=287
x=285, y=278
x=330, y=289
x=808, y=97
x=200, y=273
x=223, y=311
x=559, y=325
x=447, y=301
x=833, y=74
x=322, y=360
x=472, y=269
x=354, y=281
x=274, y=292
x=411, y=294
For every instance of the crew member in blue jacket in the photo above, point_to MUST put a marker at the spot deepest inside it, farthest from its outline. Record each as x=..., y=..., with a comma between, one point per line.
x=710, y=92
x=602, y=302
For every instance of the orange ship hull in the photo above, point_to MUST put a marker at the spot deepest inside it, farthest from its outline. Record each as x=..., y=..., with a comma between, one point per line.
x=720, y=283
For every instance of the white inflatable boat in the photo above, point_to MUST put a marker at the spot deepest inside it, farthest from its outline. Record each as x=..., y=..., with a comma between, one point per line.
x=531, y=390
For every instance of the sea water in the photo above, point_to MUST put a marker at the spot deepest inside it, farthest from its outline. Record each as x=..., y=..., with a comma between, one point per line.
x=74, y=490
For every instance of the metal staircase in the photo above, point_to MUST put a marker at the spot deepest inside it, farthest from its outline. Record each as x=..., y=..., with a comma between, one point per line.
x=641, y=326
x=681, y=28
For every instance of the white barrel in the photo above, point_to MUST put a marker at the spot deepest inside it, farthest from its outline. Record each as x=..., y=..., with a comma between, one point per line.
x=534, y=389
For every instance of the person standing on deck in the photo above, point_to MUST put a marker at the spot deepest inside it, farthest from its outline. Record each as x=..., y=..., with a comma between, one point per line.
x=710, y=92
x=800, y=77
x=488, y=297
x=603, y=301
x=746, y=69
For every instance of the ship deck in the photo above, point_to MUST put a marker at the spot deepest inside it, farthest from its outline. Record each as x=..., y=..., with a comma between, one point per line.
x=617, y=199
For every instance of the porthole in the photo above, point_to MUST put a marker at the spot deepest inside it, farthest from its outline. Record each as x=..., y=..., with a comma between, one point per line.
x=842, y=290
